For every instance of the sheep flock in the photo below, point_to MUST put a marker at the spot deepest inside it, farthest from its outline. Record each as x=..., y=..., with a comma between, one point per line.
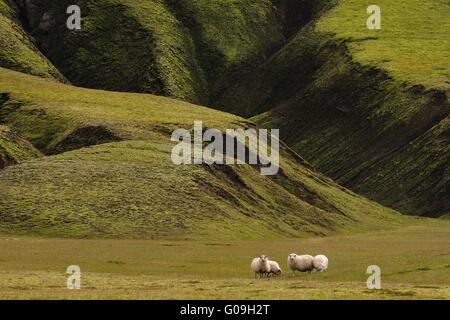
x=262, y=266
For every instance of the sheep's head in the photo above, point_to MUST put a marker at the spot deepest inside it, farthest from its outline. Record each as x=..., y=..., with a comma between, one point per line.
x=292, y=256
x=278, y=272
x=263, y=258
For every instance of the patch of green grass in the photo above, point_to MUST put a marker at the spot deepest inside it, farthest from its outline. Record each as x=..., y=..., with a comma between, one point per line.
x=14, y=149
x=135, y=269
x=412, y=45
x=130, y=188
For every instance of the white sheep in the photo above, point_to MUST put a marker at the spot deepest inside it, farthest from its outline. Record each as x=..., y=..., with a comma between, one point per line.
x=320, y=263
x=275, y=268
x=260, y=266
x=303, y=263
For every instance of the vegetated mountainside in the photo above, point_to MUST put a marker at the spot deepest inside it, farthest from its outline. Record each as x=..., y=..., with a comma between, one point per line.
x=18, y=50
x=369, y=108
x=108, y=173
x=14, y=149
x=185, y=49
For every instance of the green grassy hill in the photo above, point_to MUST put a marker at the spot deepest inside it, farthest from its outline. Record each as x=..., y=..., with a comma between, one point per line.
x=356, y=120
x=108, y=173
x=368, y=108
x=18, y=50
x=412, y=44
x=183, y=49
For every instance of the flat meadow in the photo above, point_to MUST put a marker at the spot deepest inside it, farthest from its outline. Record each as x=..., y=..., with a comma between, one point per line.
x=414, y=262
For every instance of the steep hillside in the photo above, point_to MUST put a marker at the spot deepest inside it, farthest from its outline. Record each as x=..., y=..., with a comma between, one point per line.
x=118, y=179
x=368, y=108
x=412, y=44
x=18, y=50
x=183, y=49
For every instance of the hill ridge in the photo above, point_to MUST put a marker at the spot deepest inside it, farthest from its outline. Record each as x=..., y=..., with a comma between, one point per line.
x=130, y=188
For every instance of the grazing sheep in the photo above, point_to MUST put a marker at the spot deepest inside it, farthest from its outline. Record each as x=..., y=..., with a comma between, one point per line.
x=291, y=261
x=303, y=263
x=275, y=268
x=261, y=266
x=320, y=263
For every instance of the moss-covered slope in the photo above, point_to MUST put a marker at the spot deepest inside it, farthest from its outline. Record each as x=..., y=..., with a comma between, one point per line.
x=368, y=108
x=119, y=181
x=14, y=149
x=377, y=123
x=183, y=49
x=17, y=49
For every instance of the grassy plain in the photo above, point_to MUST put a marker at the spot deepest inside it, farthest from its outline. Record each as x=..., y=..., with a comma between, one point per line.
x=414, y=261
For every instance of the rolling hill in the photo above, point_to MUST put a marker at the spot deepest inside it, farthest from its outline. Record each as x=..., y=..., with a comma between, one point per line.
x=101, y=160
x=107, y=173
x=369, y=108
